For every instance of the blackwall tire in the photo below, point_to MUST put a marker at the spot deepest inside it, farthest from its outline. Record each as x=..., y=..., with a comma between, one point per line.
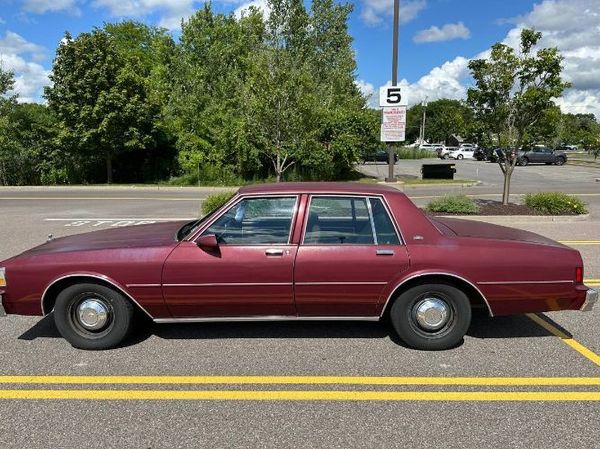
x=92, y=316
x=418, y=318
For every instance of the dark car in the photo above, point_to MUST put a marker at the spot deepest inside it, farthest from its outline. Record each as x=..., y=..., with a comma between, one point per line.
x=496, y=155
x=483, y=154
x=378, y=156
x=541, y=155
x=296, y=251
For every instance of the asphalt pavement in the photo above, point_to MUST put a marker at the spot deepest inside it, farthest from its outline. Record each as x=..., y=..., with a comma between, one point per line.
x=517, y=381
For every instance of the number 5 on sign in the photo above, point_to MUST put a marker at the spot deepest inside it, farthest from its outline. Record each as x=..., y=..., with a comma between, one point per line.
x=392, y=96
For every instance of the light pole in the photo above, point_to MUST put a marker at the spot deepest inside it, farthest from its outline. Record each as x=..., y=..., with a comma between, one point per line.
x=390, y=177
x=424, y=104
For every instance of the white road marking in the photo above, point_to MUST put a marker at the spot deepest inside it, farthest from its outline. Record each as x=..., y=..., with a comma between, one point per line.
x=112, y=222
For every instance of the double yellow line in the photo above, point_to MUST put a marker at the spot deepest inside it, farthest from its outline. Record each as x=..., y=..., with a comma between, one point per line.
x=302, y=395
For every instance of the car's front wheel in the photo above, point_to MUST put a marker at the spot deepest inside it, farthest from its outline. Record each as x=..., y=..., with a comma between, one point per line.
x=431, y=317
x=459, y=157
x=523, y=161
x=560, y=160
x=92, y=316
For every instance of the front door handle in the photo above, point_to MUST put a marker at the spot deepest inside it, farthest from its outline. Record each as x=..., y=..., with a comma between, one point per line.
x=385, y=252
x=274, y=252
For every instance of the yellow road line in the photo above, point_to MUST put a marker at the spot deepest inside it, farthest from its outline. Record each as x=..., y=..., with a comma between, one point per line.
x=587, y=353
x=300, y=380
x=236, y=395
x=579, y=242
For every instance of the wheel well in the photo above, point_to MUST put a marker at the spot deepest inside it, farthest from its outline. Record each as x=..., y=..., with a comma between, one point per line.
x=475, y=297
x=50, y=295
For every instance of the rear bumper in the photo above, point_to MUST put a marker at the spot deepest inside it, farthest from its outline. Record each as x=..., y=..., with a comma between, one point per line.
x=591, y=298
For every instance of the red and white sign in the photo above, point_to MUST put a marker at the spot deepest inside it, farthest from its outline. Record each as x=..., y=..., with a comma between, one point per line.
x=393, y=124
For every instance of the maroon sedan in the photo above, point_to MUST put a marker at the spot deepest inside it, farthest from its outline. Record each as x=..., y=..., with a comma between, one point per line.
x=301, y=251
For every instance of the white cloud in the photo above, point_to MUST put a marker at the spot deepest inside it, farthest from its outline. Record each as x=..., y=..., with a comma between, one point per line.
x=368, y=91
x=446, y=81
x=447, y=32
x=30, y=77
x=571, y=25
x=261, y=5
x=43, y=6
x=172, y=11
x=12, y=43
x=373, y=11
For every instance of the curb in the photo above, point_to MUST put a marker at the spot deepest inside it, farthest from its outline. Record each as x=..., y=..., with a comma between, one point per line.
x=401, y=185
x=523, y=218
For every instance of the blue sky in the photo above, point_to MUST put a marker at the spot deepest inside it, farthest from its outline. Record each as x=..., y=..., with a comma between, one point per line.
x=437, y=38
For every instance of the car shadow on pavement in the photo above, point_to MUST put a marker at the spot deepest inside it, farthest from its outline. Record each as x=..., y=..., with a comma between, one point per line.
x=517, y=326
x=513, y=326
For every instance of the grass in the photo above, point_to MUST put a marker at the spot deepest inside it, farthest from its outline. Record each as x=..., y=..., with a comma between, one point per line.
x=455, y=204
x=555, y=203
x=414, y=153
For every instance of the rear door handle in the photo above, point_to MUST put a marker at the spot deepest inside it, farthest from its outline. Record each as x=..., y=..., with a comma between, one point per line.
x=274, y=252
x=385, y=252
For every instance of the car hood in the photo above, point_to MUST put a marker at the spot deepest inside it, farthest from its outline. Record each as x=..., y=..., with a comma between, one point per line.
x=478, y=229
x=148, y=235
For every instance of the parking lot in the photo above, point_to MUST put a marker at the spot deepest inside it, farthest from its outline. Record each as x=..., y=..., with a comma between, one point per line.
x=517, y=381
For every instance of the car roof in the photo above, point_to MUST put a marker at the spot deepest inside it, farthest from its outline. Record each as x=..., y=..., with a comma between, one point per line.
x=318, y=187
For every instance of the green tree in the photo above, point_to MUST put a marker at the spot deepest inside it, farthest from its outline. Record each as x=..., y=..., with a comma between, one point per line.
x=100, y=92
x=7, y=144
x=205, y=110
x=512, y=92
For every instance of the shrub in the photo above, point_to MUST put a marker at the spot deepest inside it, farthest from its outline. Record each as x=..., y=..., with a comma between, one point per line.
x=555, y=203
x=456, y=204
x=413, y=153
x=213, y=202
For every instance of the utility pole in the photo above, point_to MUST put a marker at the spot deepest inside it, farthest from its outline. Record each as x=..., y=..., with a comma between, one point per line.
x=390, y=177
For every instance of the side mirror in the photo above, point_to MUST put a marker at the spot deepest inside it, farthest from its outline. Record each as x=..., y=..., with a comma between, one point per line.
x=208, y=242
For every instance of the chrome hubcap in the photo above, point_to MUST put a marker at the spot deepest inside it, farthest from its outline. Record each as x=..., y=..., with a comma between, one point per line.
x=92, y=314
x=432, y=313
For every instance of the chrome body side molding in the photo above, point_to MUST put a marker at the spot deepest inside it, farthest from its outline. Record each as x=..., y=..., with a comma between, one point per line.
x=234, y=319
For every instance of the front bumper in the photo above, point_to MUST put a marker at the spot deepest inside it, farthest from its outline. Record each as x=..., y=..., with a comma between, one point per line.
x=591, y=298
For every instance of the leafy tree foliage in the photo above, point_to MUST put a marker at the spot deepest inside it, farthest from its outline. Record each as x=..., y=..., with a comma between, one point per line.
x=100, y=92
x=513, y=90
x=444, y=117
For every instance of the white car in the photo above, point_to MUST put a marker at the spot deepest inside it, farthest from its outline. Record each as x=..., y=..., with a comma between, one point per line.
x=462, y=153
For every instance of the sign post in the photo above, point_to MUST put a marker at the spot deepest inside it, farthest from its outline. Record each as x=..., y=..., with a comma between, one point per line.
x=394, y=92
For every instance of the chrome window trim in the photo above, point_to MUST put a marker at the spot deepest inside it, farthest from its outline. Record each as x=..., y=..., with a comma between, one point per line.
x=95, y=276
x=435, y=273
x=259, y=318
x=239, y=198
x=370, y=212
x=344, y=195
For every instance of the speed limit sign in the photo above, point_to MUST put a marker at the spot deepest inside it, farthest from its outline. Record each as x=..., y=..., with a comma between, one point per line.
x=392, y=96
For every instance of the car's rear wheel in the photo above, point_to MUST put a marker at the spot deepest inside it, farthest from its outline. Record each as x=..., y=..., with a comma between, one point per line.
x=459, y=157
x=431, y=317
x=92, y=316
x=523, y=161
x=560, y=161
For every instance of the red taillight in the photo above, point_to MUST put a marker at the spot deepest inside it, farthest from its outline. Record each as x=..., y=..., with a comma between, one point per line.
x=579, y=275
